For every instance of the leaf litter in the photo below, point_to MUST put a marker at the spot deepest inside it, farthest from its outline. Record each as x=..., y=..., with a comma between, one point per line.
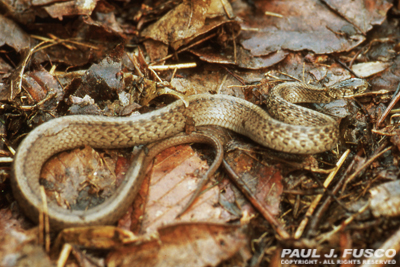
x=94, y=59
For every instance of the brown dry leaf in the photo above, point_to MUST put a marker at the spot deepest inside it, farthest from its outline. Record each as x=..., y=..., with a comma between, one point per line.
x=233, y=201
x=309, y=70
x=79, y=179
x=304, y=25
x=361, y=13
x=24, y=255
x=212, y=80
x=385, y=199
x=388, y=79
x=39, y=84
x=101, y=81
x=13, y=35
x=17, y=246
x=263, y=181
x=107, y=22
x=69, y=8
x=184, y=244
x=244, y=59
x=112, y=32
x=367, y=69
x=96, y=237
x=5, y=69
x=173, y=180
x=180, y=23
x=186, y=22
x=339, y=108
x=83, y=106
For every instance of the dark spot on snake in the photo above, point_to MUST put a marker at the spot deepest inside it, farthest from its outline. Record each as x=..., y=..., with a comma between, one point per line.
x=141, y=136
x=303, y=143
x=326, y=130
x=289, y=128
x=303, y=130
x=315, y=131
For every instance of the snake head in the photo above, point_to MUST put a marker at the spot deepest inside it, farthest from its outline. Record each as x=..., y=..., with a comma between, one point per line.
x=348, y=88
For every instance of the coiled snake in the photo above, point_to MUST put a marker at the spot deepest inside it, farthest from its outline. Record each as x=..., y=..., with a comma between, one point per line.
x=312, y=132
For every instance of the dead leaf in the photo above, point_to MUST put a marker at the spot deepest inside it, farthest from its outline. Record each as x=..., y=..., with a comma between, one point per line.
x=18, y=246
x=362, y=14
x=13, y=35
x=385, y=199
x=95, y=237
x=173, y=179
x=68, y=8
x=367, y=69
x=79, y=179
x=184, y=244
x=243, y=57
x=313, y=26
x=263, y=181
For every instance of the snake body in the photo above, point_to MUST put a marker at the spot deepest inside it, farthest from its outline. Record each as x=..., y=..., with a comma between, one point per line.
x=312, y=133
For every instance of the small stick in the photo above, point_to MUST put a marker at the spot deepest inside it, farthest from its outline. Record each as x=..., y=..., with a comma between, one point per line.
x=365, y=165
x=171, y=67
x=247, y=192
x=317, y=199
x=46, y=222
x=389, y=108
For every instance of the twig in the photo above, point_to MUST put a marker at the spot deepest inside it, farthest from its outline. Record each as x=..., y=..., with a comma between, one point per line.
x=365, y=165
x=272, y=14
x=170, y=67
x=317, y=199
x=62, y=259
x=389, y=108
x=45, y=220
x=49, y=96
x=186, y=48
x=247, y=192
x=327, y=236
x=236, y=76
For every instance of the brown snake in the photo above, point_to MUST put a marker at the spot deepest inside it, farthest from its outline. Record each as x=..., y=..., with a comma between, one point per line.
x=312, y=132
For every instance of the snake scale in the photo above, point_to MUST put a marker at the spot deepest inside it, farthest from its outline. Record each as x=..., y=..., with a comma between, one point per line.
x=293, y=129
